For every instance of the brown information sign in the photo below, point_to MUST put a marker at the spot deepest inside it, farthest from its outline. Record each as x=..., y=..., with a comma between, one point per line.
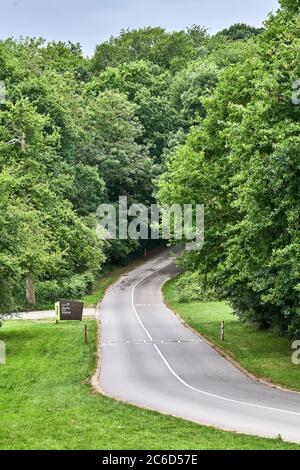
x=69, y=310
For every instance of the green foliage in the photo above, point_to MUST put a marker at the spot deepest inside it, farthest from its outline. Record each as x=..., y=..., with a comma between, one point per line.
x=147, y=86
x=242, y=162
x=75, y=133
x=169, y=50
x=190, y=85
x=41, y=234
x=190, y=287
x=73, y=287
x=241, y=31
x=65, y=147
x=113, y=131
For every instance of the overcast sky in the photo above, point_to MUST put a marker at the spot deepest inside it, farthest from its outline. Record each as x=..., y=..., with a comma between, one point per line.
x=92, y=21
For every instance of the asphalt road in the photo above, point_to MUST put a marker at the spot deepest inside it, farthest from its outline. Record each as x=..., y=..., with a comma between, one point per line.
x=150, y=359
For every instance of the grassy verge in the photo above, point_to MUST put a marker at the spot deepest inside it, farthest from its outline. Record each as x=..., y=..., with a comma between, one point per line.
x=46, y=401
x=262, y=353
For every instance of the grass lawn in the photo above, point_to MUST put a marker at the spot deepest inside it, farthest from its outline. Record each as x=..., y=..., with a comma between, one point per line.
x=46, y=401
x=263, y=353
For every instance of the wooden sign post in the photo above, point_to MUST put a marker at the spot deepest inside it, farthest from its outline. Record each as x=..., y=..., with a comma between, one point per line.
x=222, y=331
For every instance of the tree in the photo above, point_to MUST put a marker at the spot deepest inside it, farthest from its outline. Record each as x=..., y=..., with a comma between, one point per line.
x=240, y=31
x=147, y=86
x=169, y=50
x=24, y=247
x=243, y=164
x=191, y=84
x=48, y=237
x=112, y=133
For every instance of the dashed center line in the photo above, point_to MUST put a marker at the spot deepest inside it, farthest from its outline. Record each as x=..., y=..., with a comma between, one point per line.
x=152, y=342
x=150, y=305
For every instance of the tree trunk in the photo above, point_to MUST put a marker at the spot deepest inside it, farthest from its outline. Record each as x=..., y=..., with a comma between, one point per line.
x=23, y=142
x=30, y=290
x=30, y=287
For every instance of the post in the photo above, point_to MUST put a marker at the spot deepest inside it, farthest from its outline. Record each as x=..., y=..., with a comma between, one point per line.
x=30, y=290
x=222, y=331
x=57, y=309
x=23, y=142
x=145, y=253
x=86, y=334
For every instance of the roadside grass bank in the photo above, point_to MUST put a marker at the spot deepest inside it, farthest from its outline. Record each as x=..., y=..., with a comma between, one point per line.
x=262, y=353
x=47, y=402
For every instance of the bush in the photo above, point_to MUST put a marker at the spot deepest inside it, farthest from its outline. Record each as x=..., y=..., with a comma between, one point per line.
x=72, y=287
x=294, y=328
x=191, y=288
x=48, y=291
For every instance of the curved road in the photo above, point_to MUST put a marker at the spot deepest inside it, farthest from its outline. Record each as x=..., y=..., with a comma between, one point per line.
x=149, y=358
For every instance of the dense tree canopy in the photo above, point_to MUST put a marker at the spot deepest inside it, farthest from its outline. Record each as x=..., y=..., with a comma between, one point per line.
x=242, y=162
x=62, y=153
x=241, y=31
x=155, y=45
x=183, y=116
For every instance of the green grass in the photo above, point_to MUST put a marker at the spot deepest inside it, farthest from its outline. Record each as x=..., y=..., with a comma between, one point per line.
x=262, y=353
x=46, y=401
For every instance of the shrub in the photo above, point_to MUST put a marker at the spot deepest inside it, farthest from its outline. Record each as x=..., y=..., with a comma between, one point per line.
x=72, y=287
x=191, y=288
x=48, y=291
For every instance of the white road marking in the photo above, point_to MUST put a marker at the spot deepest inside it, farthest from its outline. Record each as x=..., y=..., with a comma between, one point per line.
x=150, y=305
x=157, y=341
x=190, y=387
